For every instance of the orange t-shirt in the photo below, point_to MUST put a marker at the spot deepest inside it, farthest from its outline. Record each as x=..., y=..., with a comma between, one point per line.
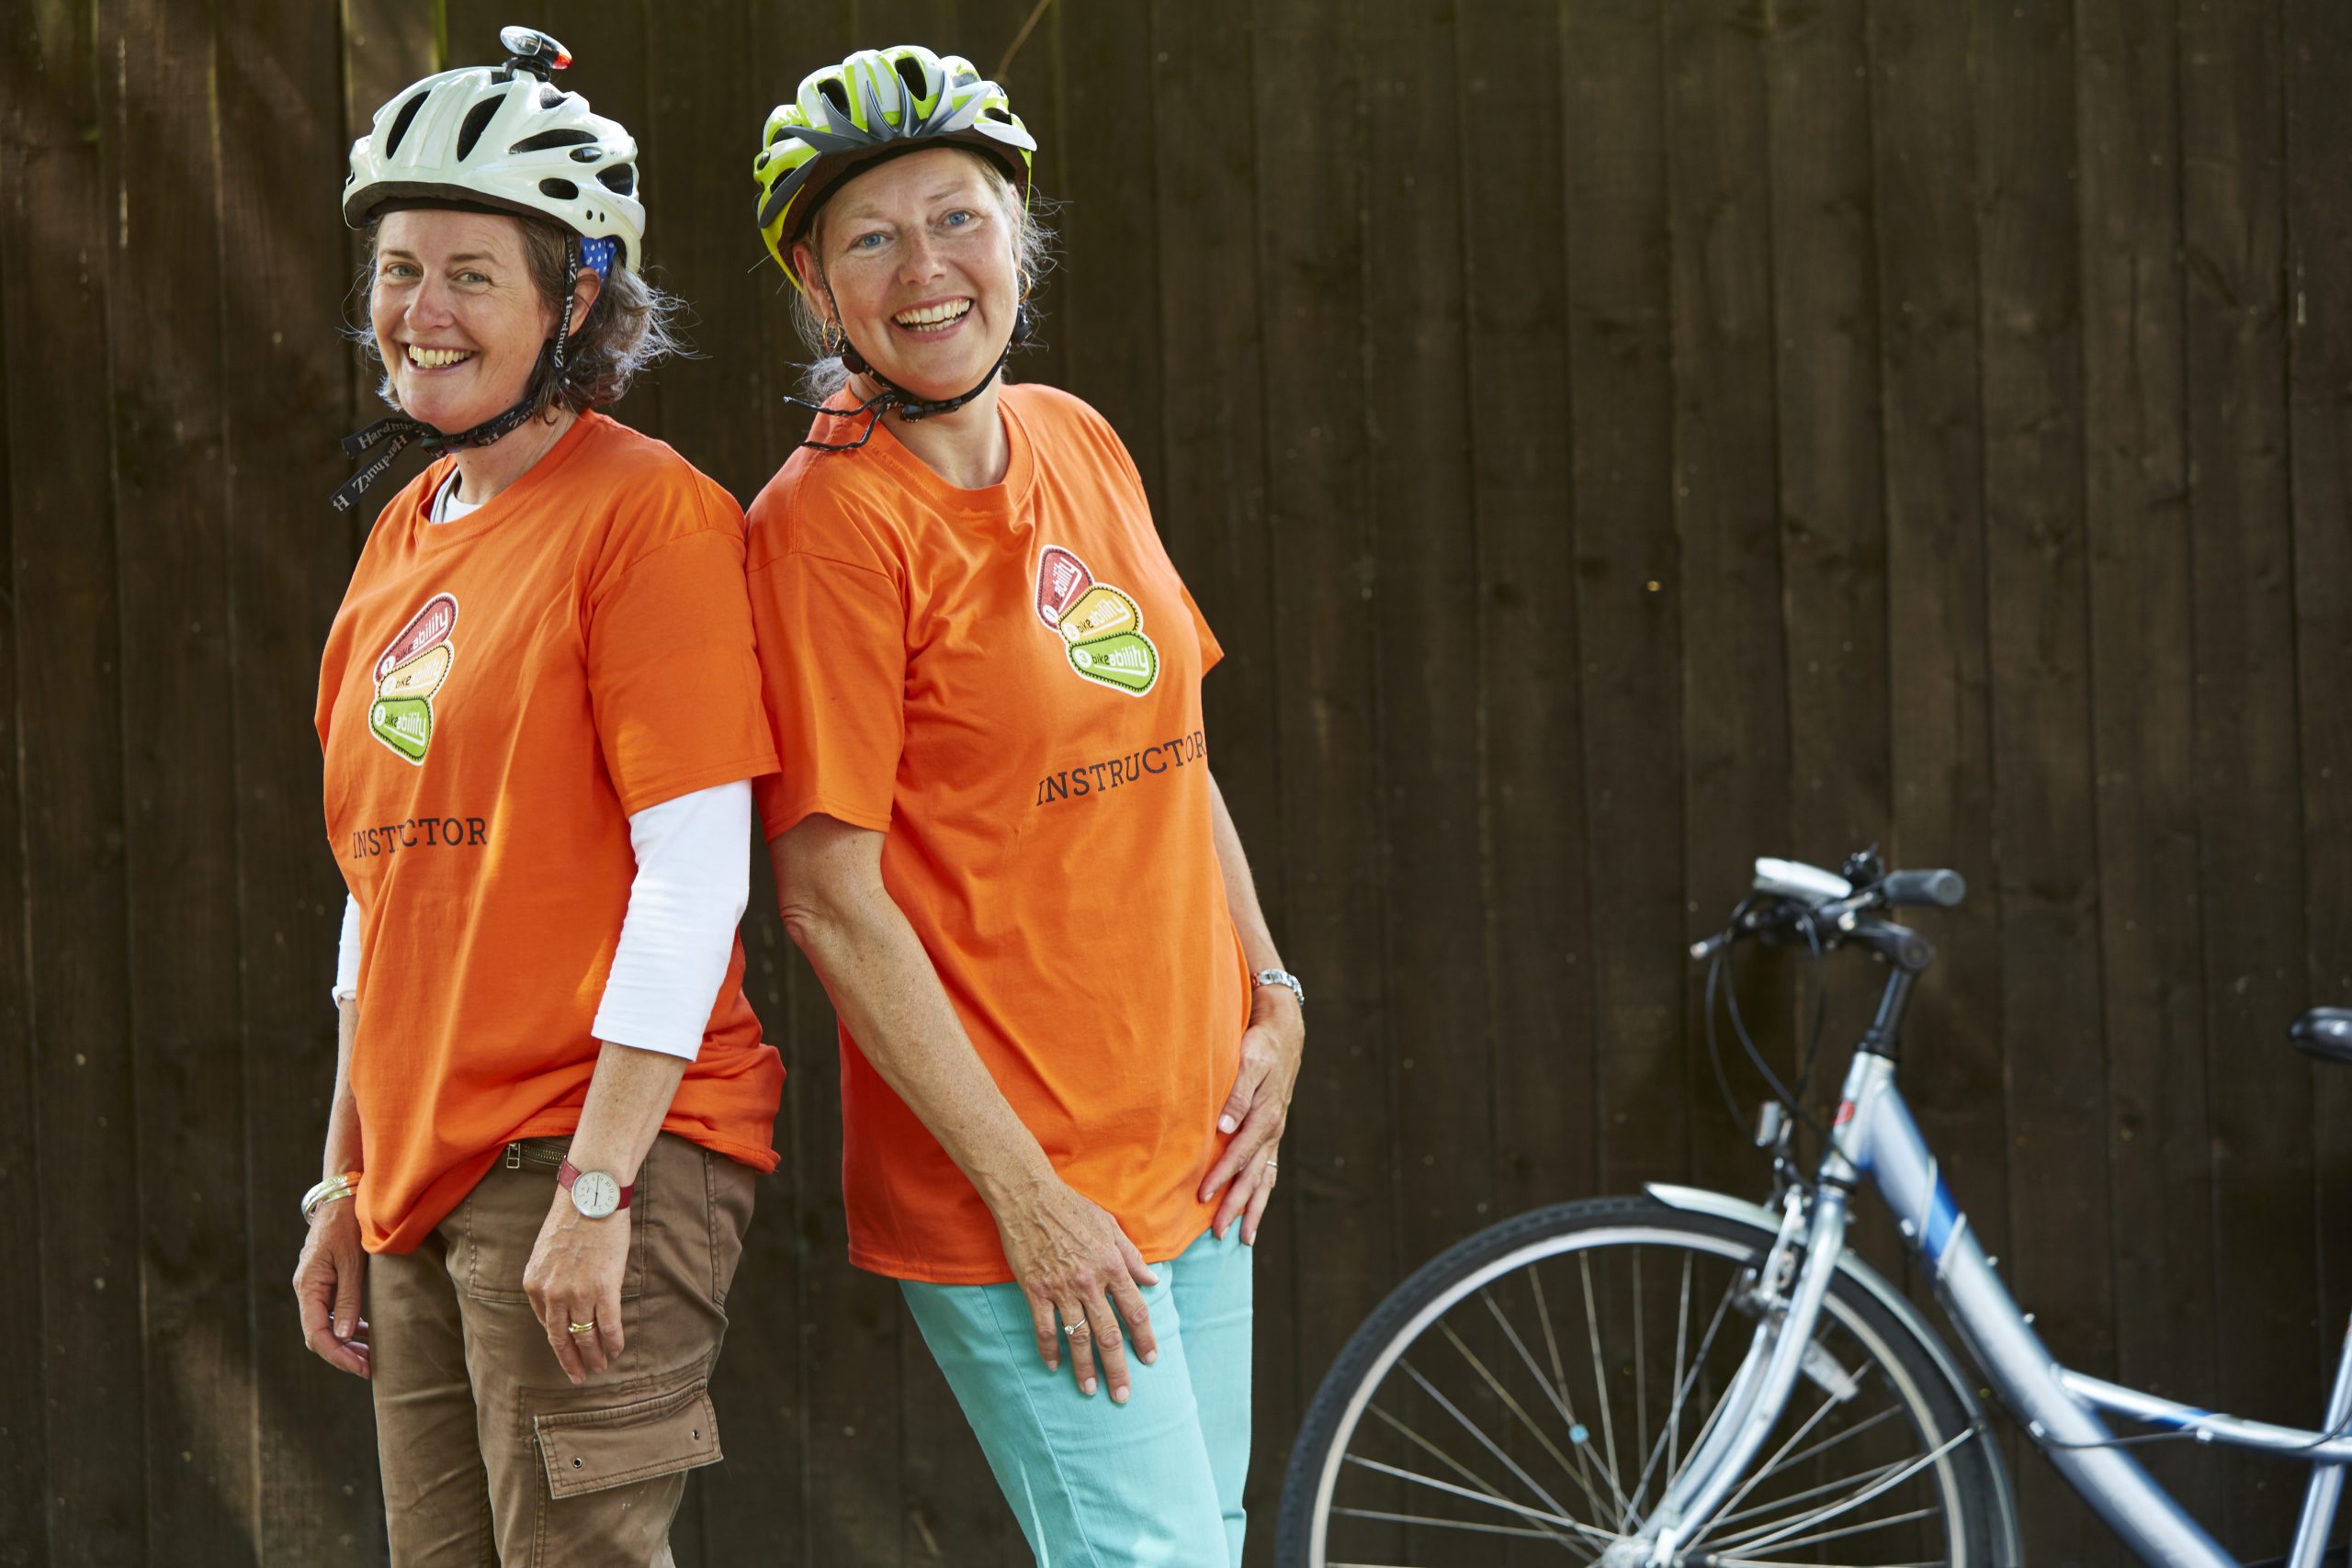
x=499, y=694
x=1007, y=684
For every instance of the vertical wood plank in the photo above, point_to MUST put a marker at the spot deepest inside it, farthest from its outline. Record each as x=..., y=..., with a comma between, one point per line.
x=24, y=1449
x=53, y=260
x=2043, y=824
x=706, y=87
x=179, y=702
x=280, y=126
x=1312, y=157
x=2144, y=709
x=1426, y=628
x=1825, y=313
x=1107, y=335
x=1832, y=523
x=2319, y=212
x=1628, y=580
x=1537, y=956
x=1213, y=514
x=1735, y=765
x=1924, y=152
x=2249, y=797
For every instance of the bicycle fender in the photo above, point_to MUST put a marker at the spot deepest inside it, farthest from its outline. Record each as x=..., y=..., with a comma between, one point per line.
x=1739, y=1210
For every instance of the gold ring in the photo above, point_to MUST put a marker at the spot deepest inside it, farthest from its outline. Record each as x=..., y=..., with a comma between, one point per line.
x=586, y=1328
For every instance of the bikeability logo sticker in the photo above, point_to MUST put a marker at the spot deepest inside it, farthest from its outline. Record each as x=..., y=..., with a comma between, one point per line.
x=411, y=671
x=1099, y=625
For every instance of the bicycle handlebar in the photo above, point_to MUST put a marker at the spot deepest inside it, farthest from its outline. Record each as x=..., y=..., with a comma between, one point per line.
x=1805, y=896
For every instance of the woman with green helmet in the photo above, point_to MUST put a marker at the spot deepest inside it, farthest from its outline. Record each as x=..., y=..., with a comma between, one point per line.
x=539, y=709
x=1067, y=1043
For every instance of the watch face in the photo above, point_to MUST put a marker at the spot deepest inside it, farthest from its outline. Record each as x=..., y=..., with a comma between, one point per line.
x=595, y=1194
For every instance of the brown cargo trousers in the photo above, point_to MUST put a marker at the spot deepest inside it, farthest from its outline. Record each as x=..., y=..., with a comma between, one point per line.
x=490, y=1457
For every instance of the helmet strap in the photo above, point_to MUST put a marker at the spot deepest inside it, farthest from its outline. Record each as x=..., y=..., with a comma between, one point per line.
x=893, y=396
x=395, y=432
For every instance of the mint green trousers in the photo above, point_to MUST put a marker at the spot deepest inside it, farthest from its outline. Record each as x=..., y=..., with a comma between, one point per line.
x=1155, y=1482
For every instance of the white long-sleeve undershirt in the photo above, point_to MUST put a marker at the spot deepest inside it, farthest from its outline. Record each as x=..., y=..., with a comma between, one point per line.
x=693, y=880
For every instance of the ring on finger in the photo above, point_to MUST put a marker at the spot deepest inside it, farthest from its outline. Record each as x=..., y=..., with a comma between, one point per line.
x=1076, y=1330
x=1269, y=1162
x=587, y=1328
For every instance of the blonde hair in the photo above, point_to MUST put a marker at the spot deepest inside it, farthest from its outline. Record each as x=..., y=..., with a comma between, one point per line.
x=1032, y=258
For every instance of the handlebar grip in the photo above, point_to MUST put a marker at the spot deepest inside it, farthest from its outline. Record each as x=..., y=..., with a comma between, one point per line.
x=1944, y=888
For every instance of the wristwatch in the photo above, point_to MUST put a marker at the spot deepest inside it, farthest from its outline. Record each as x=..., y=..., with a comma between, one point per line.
x=594, y=1192
x=1284, y=977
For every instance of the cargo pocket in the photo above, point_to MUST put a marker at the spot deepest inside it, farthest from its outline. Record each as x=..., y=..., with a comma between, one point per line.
x=587, y=1450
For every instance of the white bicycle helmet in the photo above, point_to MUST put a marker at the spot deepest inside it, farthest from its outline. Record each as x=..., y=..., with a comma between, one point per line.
x=502, y=137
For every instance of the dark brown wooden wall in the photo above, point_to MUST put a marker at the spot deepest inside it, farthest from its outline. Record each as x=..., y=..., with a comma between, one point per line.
x=1613, y=438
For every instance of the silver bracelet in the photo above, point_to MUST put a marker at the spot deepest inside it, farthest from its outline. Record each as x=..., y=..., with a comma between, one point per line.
x=1284, y=977
x=328, y=1191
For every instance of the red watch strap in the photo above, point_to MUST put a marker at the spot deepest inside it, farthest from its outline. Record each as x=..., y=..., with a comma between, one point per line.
x=566, y=1173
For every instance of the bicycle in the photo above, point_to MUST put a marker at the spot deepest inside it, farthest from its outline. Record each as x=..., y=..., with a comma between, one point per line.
x=1687, y=1379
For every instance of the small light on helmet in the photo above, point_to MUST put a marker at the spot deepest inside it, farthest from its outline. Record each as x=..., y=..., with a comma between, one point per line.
x=537, y=52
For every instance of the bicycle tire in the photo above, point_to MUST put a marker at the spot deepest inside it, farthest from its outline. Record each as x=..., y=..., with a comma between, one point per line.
x=1957, y=1477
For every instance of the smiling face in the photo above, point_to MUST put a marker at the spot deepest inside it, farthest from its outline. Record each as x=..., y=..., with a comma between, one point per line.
x=918, y=255
x=456, y=316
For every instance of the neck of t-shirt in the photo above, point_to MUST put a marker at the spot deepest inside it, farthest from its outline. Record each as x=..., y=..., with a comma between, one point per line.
x=447, y=506
x=968, y=449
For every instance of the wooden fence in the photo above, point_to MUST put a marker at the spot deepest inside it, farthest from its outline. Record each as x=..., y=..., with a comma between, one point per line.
x=1612, y=438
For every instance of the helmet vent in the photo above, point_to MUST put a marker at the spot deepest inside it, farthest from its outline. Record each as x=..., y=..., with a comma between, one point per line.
x=620, y=179
x=477, y=122
x=911, y=74
x=401, y=121
x=552, y=97
x=570, y=136
x=563, y=190
x=836, y=95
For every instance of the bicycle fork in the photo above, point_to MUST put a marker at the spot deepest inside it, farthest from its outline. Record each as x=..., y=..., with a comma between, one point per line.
x=1759, y=1392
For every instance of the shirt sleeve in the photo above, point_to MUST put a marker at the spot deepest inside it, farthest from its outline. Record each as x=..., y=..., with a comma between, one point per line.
x=693, y=880
x=833, y=650
x=347, y=955
x=672, y=673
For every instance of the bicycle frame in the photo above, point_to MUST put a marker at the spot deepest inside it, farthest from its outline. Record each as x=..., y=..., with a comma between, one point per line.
x=1875, y=1136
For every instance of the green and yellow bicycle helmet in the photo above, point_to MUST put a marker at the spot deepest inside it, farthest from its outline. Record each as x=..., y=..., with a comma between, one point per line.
x=877, y=102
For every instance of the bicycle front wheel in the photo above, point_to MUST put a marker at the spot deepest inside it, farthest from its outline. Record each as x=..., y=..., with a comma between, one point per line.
x=1529, y=1395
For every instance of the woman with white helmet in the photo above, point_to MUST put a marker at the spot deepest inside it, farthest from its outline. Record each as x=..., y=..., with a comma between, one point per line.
x=540, y=710
x=1067, y=1043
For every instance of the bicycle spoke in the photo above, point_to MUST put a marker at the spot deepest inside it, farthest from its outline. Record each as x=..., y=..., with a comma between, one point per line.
x=1426, y=1521
x=1831, y=1441
x=1773, y=1532
x=1483, y=1441
x=1828, y=1402
x=1827, y=1486
x=1447, y=1460
x=1563, y=1521
x=1504, y=1394
x=1599, y=1375
x=1641, y=1383
x=1682, y=1395
x=1576, y=1434
x=1911, y=1517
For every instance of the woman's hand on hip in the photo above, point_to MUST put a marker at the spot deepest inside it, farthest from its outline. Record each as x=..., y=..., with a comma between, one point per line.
x=1256, y=1113
x=328, y=1281
x=1070, y=1257
x=575, y=1277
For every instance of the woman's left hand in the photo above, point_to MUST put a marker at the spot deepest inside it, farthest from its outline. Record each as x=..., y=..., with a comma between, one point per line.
x=574, y=1276
x=1256, y=1112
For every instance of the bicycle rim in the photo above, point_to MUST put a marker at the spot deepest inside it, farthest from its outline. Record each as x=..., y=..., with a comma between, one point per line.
x=1531, y=1402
